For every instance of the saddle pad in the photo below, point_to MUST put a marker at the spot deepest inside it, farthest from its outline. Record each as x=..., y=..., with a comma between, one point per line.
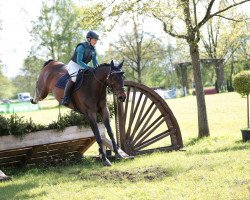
x=62, y=81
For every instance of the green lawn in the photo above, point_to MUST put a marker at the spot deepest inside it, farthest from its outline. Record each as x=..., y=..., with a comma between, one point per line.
x=217, y=167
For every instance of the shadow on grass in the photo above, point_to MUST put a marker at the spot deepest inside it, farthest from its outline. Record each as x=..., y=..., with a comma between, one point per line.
x=211, y=145
x=53, y=166
x=12, y=190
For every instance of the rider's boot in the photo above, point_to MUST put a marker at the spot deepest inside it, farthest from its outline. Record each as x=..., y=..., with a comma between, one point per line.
x=67, y=93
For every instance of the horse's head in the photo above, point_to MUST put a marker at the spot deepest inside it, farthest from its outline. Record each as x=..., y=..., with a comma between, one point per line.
x=116, y=81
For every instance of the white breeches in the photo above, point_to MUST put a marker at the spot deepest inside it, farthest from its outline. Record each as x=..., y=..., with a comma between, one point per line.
x=73, y=69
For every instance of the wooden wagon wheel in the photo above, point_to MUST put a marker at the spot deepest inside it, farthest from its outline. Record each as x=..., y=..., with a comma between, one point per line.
x=144, y=122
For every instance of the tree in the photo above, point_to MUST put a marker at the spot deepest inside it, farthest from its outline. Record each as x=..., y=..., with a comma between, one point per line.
x=139, y=49
x=221, y=38
x=193, y=23
x=26, y=81
x=58, y=29
x=184, y=20
x=7, y=89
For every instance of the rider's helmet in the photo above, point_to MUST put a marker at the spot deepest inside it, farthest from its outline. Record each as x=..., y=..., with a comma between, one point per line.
x=92, y=35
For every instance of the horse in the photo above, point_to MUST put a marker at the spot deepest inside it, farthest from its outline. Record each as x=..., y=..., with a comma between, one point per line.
x=90, y=98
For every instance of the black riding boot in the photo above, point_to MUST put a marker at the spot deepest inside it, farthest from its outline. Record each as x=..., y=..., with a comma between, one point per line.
x=67, y=93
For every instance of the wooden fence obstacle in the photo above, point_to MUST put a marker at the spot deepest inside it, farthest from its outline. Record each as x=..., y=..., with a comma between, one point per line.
x=38, y=147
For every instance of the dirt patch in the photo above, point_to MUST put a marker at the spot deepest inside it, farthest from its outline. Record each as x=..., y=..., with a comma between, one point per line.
x=150, y=174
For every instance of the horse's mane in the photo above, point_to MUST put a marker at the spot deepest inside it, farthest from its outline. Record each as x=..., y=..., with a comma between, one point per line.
x=104, y=65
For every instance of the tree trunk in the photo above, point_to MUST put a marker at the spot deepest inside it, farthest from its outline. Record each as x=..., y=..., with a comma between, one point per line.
x=184, y=78
x=200, y=97
x=248, y=122
x=139, y=75
x=219, y=69
x=231, y=74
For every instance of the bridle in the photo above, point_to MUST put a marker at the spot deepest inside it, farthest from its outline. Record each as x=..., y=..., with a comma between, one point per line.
x=110, y=85
x=105, y=83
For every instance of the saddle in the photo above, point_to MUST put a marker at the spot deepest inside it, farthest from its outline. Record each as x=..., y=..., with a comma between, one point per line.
x=81, y=79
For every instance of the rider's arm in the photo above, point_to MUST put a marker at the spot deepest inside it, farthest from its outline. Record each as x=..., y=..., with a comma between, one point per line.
x=80, y=51
x=94, y=60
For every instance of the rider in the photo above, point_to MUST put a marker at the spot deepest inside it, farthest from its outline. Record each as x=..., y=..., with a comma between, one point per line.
x=84, y=53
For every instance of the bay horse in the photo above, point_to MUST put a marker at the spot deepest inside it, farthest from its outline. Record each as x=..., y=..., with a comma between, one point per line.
x=90, y=98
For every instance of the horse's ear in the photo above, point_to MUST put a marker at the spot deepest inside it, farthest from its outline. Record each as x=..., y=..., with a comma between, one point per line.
x=121, y=64
x=112, y=63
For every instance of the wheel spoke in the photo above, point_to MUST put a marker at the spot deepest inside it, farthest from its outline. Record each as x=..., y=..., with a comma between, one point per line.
x=137, y=125
x=142, y=133
x=131, y=118
x=146, y=123
x=154, y=139
x=126, y=105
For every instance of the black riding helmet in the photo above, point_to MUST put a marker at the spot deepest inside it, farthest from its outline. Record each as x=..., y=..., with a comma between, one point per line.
x=92, y=35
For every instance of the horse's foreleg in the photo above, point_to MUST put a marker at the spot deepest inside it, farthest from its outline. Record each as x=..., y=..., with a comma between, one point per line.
x=94, y=127
x=106, y=120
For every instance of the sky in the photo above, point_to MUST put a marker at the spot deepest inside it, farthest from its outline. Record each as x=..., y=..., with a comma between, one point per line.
x=15, y=39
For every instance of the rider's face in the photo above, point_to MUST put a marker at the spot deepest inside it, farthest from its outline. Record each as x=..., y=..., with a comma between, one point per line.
x=93, y=41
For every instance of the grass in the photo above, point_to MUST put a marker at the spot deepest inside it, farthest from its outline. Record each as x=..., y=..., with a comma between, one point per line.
x=217, y=167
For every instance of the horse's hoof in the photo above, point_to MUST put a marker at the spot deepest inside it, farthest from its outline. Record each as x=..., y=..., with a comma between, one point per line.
x=4, y=178
x=118, y=156
x=32, y=101
x=106, y=163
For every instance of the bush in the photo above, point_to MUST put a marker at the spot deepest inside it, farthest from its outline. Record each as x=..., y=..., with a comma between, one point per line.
x=241, y=83
x=17, y=126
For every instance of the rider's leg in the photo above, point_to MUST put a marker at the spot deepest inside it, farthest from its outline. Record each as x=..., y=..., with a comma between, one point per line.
x=67, y=92
x=73, y=69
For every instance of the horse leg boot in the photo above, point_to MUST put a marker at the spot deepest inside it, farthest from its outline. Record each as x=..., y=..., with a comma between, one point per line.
x=67, y=93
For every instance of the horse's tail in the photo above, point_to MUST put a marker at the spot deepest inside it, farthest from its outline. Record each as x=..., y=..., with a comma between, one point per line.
x=47, y=62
